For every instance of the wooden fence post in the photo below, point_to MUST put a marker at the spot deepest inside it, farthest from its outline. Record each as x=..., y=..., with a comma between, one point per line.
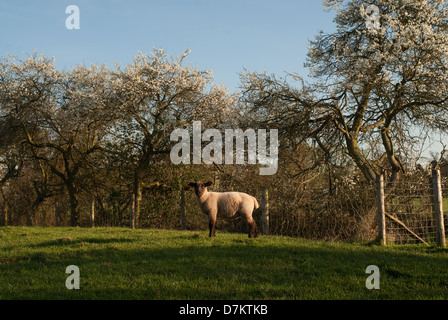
x=56, y=213
x=5, y=213
x=28, y=217
x=438, y=207
x=182, y=208
x=43, y=212
x=131, y=212
x=265, y=211
x=381, y=209
x=92, y=212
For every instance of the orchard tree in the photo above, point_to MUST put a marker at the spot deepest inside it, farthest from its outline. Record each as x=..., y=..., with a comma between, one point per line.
x=62, y=116
x=381, y=76
x=154, y=95
x=76, y=128
x=25, y=86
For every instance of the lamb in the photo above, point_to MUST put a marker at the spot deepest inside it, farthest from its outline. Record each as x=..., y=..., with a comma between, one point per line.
x=225, y=204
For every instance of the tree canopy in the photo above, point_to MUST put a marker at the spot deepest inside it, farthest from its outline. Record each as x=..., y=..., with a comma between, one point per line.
x=382, y=84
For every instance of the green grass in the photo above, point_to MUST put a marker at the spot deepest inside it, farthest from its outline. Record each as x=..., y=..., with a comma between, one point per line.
x=118, y=263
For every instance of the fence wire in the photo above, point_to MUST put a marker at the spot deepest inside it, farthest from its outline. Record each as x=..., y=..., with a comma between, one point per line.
x=349, y=213
x=411, y=203
x=345, y=213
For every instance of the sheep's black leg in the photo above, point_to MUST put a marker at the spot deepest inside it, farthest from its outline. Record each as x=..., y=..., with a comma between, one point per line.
x=211, y=226
x=253, y=231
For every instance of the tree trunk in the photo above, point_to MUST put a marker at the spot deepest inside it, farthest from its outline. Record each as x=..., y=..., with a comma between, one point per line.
x=391, y=157
x=362, y=163
x=34, y=206
x=74, y=210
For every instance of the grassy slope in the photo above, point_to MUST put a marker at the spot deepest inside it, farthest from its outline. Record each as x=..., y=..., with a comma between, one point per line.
x=117, y=263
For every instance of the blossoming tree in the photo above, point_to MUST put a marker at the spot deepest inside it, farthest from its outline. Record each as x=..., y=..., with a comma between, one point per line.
x=155, y=94
x=376, y=82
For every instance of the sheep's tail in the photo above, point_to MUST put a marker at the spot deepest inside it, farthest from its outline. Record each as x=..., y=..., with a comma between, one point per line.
x=256, y=206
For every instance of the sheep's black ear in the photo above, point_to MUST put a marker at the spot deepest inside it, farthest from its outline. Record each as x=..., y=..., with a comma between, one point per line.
x=191, y=184
x=208, y=184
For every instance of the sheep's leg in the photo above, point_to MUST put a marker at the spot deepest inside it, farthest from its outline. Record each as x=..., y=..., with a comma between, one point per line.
x=253, y=230
x=211, y=226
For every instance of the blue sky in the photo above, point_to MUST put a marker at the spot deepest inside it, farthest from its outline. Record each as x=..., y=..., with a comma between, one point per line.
x=225, y=36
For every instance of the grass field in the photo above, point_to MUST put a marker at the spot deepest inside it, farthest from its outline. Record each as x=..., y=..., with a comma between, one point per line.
x=118, y=263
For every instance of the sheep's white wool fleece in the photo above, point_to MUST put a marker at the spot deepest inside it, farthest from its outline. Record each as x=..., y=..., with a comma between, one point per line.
x=227, y=204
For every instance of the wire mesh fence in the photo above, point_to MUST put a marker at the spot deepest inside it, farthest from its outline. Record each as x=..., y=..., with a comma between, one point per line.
x=350, y=212
x=411, y=203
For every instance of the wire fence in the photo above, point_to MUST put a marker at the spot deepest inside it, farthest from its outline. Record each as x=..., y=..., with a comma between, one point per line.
x=350, y=212
x=411, y=203
x=345, y=213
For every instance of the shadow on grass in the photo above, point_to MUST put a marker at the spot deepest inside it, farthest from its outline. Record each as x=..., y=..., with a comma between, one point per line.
x=69, y=241
x=240, y=270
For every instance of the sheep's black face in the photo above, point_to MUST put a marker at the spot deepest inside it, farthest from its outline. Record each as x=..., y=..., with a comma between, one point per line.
x=200, y=187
